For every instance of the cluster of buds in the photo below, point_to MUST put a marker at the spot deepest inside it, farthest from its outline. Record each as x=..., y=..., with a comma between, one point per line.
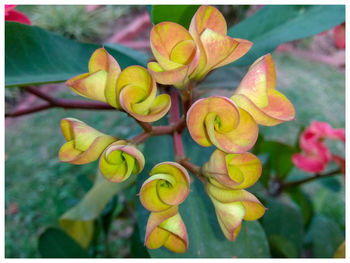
x=315, y=155
x=183, y=57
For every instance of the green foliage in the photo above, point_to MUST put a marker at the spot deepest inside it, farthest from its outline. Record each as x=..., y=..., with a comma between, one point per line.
x=276, y=24
x=54, y=243
x=283, y=225
x=37, y=56
x=325, y=236
x=181, y=14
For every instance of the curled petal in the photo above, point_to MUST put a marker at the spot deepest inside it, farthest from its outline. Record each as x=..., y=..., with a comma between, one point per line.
x=84, y=143
x=217, y=120
x=236, y=171
x=166, y=228
x=137, y=92
x=232, y=206
x=167, y=186
x=257, y=94
x=208, y=28
x=176, y=53
x=100, y=82
x=120, y=160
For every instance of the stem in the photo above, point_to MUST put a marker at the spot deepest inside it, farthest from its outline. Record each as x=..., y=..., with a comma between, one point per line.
x=194, y=169
x=58, y=103
x=316, y=176
x=186, y=96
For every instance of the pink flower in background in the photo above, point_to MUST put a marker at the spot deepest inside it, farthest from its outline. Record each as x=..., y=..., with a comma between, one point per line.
x=13, y=15
x=339, y=36
x=315, y=154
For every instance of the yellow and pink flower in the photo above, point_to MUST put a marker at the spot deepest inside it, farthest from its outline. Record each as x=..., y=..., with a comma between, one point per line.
x=257, y=94
x=218, y=121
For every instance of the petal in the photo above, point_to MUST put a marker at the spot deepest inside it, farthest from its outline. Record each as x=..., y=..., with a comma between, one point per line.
x=253, y=208
x=225, y=116
x=208, y=17
x=165, y=36
x=120, y=160
x=85, y=144
x=16, y=16
x=236, y=171
x=90, y=85
x=166, y=228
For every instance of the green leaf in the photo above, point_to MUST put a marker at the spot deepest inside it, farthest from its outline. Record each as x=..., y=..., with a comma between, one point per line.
x=277, y=24
x=280, y=156
x=36, y=56
x=181, y=14
x=326, y=236
x=303, y=201
x=138, y=250
x=205, y=236
x=286, y=222
x=54, y=243
x=78, y=221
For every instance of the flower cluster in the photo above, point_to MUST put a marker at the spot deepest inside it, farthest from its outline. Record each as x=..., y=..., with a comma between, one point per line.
x=315, y=154
x=183, y=57
x=167, y=187
x=231, y=124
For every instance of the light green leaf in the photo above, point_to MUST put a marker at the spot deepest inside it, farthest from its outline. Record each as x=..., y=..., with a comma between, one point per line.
x=78, y=221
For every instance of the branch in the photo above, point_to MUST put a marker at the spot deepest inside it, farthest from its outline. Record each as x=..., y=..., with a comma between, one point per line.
x=302, y=181
x=58, y=103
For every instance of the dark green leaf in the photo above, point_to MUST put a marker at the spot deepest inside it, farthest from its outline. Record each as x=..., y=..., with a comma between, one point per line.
x=276, y=24
x=325, y=236
x=35, y=56
x=54, y=243
x=303, y=201
x=205, y=236
x=282, y=247
x=331, y=183
x=280, y=156
x=138, y=250
x=181, y=14
x=285, y=221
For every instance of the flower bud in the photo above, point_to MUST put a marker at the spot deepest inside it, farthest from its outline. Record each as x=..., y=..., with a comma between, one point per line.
x=208, y=29
x=217, y=120
x=84, y=143
x=120, y=160
x=257, y=94
x=137, y=92
x=232, y=206
x=166, y=228
x=235, y=171
x=176, y=53
x=101, y=80
x=168, y=185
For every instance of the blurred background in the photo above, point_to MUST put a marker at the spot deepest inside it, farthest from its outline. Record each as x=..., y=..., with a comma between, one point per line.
x=39, y=189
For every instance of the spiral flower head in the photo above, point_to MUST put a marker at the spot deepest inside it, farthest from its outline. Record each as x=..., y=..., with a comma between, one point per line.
x=232, y=206
x=166, y=228
x=120, y=160
x=257, y=94
x=208, y=28
x=137, y=93
x=101, y=80
x=176, y=53
x=84, y=143
x=167, y=186
x=217, y=120
x=236, y=171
